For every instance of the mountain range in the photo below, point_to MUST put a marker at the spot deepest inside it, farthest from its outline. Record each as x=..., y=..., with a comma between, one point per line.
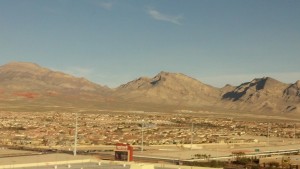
x=29, y=87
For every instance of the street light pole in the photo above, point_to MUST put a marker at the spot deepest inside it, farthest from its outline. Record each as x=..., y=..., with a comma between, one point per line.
x=75, y=137
x=192, y=135
x=294, y=133
x=142, y=149
x=268, y=134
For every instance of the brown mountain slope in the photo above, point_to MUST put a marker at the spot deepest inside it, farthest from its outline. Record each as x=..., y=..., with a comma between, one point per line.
x=263, y=95
x=169, y=88
x=227, y=88
x=257, y=89
x=31, y=87
x=28, y=84
x=293, y=91
x=17, y=75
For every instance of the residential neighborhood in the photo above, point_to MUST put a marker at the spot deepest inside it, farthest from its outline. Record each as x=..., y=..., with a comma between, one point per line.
x=28, y=129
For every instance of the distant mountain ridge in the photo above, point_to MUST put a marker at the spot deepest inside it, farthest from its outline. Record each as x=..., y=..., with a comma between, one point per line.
x=23, y=83
x=170, y=88
x=265, y=95
x=257, y=88
x=17, y=74
x=293, y=90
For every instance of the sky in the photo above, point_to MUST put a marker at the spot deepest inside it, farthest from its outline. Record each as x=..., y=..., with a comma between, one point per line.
x=112, y=42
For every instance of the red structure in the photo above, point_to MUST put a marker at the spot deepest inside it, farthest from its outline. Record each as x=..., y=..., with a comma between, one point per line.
x=123, y=152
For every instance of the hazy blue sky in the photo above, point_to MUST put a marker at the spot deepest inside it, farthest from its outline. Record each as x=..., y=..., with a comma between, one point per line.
x=111, y=42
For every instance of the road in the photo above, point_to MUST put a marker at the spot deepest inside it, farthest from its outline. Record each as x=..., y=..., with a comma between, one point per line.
x=86, y=166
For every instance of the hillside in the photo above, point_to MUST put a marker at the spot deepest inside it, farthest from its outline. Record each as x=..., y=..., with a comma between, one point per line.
x=16, y=75
x=265, y=95
x=169, y=88
x=28, y=86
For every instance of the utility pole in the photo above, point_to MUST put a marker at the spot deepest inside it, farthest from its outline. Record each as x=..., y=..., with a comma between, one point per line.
x=75, y=137
x=192, y=135
x=268, y=134
x=294, y=133
x=142, y=149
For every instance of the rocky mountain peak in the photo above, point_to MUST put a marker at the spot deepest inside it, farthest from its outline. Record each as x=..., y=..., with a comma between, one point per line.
x=135, y=84
x=293, y=90
x=27, y=65
x=30, y=76
x=256, y=89
x=268, y=83
x=298, y=84
x=23, y=67
x=169, y=88
x=22, y=80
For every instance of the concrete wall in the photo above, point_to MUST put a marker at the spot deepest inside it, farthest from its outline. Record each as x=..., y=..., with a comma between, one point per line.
x=133, y=164
x=141, y=166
